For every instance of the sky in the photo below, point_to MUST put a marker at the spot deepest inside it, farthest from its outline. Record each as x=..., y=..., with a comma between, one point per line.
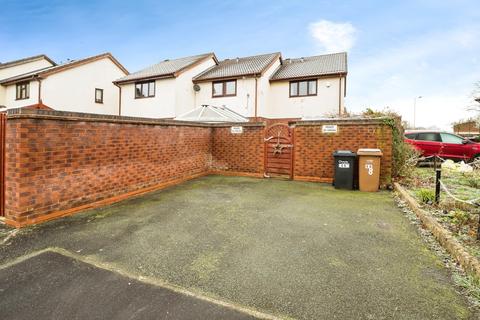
x=397, y=50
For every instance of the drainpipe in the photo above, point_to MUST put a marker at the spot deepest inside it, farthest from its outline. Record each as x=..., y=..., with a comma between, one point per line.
x=340, y=96
x=119, y=99
x=39, y=90
x=256, y=98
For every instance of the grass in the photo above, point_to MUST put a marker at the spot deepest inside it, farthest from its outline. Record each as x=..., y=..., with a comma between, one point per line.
x=465, y=186
x=470, y=285
x=460, y=218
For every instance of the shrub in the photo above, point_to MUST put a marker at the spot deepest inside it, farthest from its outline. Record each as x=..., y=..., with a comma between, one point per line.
x=426, y=195
x=405, y=157
x=459, y=218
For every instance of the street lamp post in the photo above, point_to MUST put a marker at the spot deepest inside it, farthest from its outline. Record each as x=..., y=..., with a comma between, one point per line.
x=415, y=111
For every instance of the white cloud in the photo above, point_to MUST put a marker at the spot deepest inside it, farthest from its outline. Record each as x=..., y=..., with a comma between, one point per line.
x=332, y=36
x=439, y=66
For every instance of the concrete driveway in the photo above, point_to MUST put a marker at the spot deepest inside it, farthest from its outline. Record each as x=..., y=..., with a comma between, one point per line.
x=252, y=247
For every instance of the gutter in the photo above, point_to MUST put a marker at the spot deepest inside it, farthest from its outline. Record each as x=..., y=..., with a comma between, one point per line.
x=239, y=76
x=165, y=76
x=313, y=76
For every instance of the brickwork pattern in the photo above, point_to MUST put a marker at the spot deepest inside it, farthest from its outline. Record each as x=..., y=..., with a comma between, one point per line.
x=56, y=161
x=314, y=149
x=54, y=165
x=238, y=152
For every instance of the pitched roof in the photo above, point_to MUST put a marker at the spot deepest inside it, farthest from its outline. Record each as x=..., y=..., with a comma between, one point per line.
x=26, y=60
x=45, y=72
x=211, y=114
x=335, y=63
x=239, y=67
x=167, y=68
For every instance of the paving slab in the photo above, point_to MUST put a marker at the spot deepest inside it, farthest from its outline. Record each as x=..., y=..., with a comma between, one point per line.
x=292, y=249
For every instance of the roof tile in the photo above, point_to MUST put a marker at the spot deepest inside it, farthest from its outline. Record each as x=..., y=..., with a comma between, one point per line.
x=238, y=67
x=165, y=68
x=334, y=63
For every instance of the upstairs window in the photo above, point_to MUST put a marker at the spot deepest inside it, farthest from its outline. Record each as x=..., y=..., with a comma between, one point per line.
x=226, y=88
x=303, y=88
x=145, y=89
x=98, y=95
x=23, y=90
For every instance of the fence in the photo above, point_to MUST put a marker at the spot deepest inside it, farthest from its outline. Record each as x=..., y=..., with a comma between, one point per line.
x=440, y=185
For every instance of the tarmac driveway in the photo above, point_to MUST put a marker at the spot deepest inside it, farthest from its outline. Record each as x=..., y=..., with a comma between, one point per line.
x=245, y=247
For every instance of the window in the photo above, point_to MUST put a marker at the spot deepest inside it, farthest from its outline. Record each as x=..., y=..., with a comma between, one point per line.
x=98, y=95
x=428, y=136
x=411, y=136
x=451, y=138
x=23, y=90
x=224, y=88
x=303, y=88
x=145, y=89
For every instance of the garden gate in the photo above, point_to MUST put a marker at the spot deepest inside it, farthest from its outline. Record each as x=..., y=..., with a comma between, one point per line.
x=279, y=151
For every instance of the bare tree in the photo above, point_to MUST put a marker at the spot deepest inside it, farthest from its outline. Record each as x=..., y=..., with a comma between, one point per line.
x=475, y=105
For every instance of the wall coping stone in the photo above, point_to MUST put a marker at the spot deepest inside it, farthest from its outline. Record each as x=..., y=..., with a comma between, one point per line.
x=22, y=113
x=340, y=121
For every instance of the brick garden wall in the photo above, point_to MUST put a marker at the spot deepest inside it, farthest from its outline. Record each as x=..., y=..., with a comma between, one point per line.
x=238, y=152
x=314, y=149
x=60, y=162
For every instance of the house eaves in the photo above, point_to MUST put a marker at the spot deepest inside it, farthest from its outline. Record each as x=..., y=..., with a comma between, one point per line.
x=322, y=66
x=248, y=67
x=167, y=69
x=45, y=72
x=26, y=60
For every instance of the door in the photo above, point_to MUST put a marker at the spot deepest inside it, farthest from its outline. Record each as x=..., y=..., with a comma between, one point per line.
x=279, y=151
x=454, y=147
x=429, y=143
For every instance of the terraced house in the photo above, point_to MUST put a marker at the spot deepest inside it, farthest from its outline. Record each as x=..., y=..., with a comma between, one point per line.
x=261, y=86
x=253, y=87
x=83, y=85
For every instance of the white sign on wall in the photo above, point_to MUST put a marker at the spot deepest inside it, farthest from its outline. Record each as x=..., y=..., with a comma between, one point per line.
x=329, y=128
x=236, y=130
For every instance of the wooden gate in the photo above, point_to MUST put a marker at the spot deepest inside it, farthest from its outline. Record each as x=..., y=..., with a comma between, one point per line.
x=3, y=123
x=279, y=151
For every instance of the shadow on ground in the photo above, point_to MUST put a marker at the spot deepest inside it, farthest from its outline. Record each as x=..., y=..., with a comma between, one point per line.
x=301, y=250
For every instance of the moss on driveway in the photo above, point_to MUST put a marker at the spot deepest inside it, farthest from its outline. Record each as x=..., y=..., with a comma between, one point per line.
x=302, y=250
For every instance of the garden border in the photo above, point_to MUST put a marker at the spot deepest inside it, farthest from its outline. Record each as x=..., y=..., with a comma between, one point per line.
x=468, y=262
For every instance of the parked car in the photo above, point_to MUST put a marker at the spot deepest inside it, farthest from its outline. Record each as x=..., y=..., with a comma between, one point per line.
x=444, y=144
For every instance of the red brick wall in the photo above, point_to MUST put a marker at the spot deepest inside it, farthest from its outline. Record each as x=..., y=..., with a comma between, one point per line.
x=57, y=161
x=238, y=152
x=314, y=149
x=469, y=127
x=57, y=164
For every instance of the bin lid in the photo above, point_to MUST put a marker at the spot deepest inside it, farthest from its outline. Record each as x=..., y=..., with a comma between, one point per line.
x=344, y=153
x=369, y=152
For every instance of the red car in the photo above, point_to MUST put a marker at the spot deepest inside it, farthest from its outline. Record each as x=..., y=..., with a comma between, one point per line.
x=444, y=144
